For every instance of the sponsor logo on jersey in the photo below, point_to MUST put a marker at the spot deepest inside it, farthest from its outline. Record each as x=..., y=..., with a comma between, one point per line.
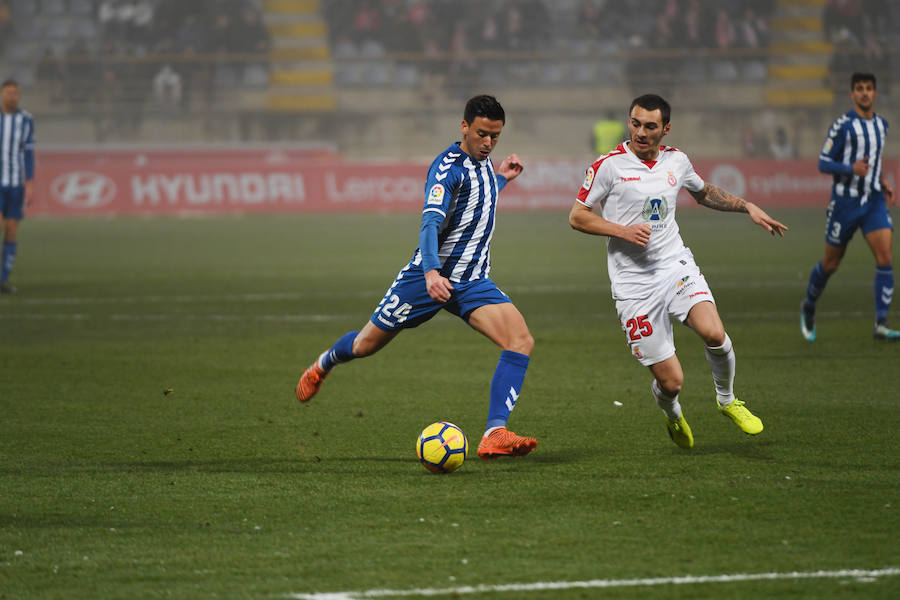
x=699, y=294
x=626, y=179
x=655, y=209
x=684, y=284
x=588, y=178
x=671, y=179
x=436, y=194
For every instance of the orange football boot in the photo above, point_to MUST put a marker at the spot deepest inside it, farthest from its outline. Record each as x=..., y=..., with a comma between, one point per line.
x=310, y=382
x=503, y=442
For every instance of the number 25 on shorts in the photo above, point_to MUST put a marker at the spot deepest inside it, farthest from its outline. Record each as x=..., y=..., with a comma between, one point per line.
x=639, y=327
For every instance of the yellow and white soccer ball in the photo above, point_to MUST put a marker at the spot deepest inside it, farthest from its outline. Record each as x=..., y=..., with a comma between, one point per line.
x=442, y=447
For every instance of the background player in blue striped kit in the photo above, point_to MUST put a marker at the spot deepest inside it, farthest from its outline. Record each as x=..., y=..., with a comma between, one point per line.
x=449, y=270
x=852, y=154
x=16, y=173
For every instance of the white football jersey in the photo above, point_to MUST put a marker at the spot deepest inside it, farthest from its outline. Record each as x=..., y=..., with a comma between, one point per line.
x=631, y=191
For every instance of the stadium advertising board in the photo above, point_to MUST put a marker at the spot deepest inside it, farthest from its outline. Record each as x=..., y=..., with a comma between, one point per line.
x=150, y=182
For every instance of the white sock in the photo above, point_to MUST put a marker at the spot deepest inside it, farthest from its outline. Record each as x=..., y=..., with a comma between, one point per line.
x=490, y=431
x=668, y=404
x=722, y=363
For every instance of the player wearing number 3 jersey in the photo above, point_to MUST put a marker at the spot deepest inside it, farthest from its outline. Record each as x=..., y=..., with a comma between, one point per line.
x=653, y=275
x=449, y=270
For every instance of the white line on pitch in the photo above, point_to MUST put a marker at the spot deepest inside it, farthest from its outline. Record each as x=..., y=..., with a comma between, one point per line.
x=600, y=583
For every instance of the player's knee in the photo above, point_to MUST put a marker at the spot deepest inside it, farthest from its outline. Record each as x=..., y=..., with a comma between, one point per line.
x=523, y=343
x=715, y=337
x=830, y=265
x=364, y=346
x=671, y=385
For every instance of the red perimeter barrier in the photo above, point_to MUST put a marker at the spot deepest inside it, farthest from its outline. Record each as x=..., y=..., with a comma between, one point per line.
x=156, y=182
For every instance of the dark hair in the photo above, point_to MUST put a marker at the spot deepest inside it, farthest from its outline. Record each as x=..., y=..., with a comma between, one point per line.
x=653, y=102
x=484, y=106
x=857, y=77
x=9, y=82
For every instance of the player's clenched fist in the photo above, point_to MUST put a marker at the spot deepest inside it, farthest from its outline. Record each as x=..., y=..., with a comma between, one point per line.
x=438, y=286
x=637, y=234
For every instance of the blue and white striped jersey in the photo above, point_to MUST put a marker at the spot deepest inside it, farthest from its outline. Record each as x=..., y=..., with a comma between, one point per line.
x=460, y=202
x=16, y=148
x=852, y=138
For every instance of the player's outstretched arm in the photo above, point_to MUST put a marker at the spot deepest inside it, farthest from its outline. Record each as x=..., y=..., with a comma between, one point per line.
x=714, y=197
x=511, y=167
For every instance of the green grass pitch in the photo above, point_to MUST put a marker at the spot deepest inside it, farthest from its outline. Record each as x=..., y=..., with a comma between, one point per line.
x=151, y=445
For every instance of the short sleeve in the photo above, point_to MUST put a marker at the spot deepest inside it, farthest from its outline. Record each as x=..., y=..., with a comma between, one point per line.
x=691, y=180
x=596, y=186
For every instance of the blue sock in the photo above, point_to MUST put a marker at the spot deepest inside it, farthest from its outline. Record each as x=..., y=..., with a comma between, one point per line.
x=341, y=352
x=506, y=386
x=884, y=290
x=817, y=280
x=9, y=259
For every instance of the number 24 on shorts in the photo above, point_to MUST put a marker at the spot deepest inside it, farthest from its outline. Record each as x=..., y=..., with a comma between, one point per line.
x=400, y=313
x=639, y=327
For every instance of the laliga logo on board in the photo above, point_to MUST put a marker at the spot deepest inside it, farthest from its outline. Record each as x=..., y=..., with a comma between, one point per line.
x=83, y=189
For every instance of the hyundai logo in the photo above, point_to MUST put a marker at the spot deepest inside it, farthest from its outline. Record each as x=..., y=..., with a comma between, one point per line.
x=83, y=189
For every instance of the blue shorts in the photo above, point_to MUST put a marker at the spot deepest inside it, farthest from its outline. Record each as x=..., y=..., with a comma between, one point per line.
x=407, y=304
x=12, y=202
x=845, y=215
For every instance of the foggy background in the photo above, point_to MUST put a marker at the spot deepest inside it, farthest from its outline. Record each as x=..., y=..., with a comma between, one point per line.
x=387, y=79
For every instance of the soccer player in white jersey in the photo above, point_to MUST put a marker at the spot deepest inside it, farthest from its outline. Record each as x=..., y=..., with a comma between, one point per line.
x=449, y=270
x=653, y=275
x=16, y=173
x=859, y=197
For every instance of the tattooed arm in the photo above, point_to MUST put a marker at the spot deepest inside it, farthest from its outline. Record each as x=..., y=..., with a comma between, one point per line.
x=714, y=197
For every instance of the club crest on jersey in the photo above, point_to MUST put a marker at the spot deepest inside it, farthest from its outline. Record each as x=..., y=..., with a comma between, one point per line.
x=671, y=179
x=436, y=194
x=655, y=209
x=588, y=178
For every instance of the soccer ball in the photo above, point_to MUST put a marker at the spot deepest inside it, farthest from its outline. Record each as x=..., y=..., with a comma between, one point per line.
x=442, y=447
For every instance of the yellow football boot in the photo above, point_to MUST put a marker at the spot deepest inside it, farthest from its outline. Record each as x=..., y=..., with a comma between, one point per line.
x=743, y=418
x=680, y=432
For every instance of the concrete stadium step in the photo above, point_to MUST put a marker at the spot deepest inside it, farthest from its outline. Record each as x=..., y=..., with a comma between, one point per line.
x=793, y=97
x=798, y=72
x=798, y=55
x=301, y=102
x=302, y=76
x=291, y=6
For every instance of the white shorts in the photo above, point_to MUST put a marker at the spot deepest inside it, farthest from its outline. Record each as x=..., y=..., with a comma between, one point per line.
x=647, y=321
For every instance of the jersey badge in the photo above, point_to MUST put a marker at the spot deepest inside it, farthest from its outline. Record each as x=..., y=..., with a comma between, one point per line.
x=829, y=144
x=436, y=194
x=655, y=209
x=671, y=179
x=588, y=178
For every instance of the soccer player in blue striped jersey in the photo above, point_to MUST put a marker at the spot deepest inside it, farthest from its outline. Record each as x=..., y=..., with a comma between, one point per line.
x=852, y=154
x=16, y=173
x=450, y=270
